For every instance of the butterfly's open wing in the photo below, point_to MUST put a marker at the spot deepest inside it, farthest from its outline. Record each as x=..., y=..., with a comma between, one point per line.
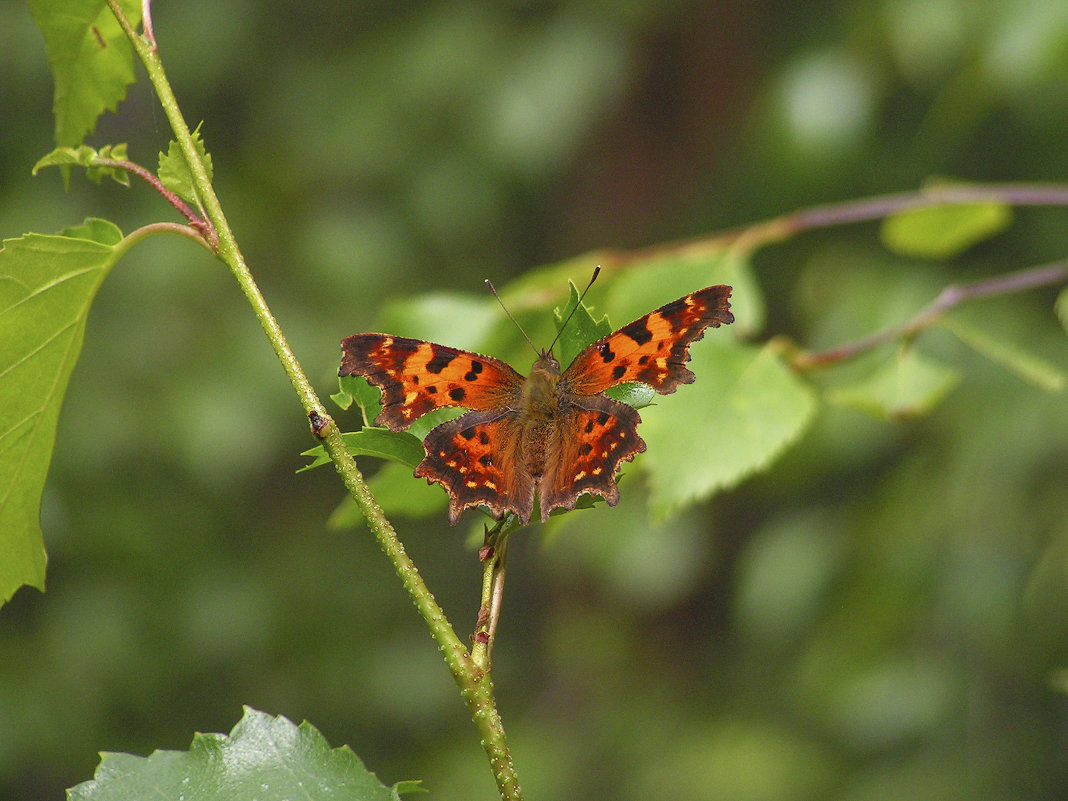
x=416, y=377
x=477, y=459
x=586, y=450
x=653, y=349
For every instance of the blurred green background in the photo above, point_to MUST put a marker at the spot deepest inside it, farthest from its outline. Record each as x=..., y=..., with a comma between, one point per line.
x=881, y=615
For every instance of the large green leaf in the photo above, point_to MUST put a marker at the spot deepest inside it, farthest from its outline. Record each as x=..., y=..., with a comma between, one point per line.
x=92, y=60
x=263, y=758
x=745, y=407
x=46, y=286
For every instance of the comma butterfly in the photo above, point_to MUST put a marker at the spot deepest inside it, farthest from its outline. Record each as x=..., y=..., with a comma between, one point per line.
x=550, y=435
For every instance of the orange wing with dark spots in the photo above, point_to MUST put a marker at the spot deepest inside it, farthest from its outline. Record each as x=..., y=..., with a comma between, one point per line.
x=588, y=448
x=477, y=459
x=653, y=349
x=417, y=377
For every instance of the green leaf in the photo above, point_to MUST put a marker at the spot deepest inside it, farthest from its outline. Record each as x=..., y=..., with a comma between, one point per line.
x=581, y=329
x=421, y=427
x=263, y=758
x=633, y=393
x=174, y=172
x=46, y=286
x=745, y=408
x=397, y=446
x=941, y=232
x=358, y=390
x=1025, y=366
x=907, y=386
x=90, y=158
x=91, y=58
x=96, y=230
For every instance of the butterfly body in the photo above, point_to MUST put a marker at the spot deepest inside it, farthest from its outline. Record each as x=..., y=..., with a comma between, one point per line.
x=551, y=435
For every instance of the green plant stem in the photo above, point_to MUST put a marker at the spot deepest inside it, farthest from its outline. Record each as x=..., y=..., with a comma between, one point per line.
x=145, y=231
x=475, y=685
x=489, y=611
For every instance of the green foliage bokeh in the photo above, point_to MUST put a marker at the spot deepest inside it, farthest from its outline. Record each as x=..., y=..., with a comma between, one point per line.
x=881, y=615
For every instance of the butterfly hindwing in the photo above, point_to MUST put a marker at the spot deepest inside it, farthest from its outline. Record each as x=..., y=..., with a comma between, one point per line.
x=477, y=459
x=653, y=349
x=596, y=434
x=417, y=376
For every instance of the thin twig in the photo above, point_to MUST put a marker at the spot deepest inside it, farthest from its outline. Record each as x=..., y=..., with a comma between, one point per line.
x=883, y=206
x=146, y=24
x=948, y=298
x=202, y=225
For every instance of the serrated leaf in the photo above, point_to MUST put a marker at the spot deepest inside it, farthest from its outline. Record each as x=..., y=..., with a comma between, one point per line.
x=576, y=328
x=95, y=230
x=358, y=390
x=90, y=158
x=633, y=394
x=744, y=409
x=92, y=60
x=46, y=286
x=1025, y=366
x=397, y=446
x=907, y=386
x=174, y=172
x=432, y=419
x=263, y=758
x=941, y=232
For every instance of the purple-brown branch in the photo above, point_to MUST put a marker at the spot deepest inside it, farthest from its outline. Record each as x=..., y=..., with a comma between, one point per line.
x=146, y=24
x=200, y=224
x=878, y=207
x=952, y=295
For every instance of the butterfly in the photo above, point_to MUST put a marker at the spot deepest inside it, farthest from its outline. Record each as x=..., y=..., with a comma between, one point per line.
x=551, y=435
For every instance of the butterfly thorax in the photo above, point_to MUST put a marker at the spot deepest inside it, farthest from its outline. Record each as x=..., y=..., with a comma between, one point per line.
x=541, y=397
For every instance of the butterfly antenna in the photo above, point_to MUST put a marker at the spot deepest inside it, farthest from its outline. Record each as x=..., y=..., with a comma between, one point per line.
x=596, y=272
x=492, y=289
x=563, y=325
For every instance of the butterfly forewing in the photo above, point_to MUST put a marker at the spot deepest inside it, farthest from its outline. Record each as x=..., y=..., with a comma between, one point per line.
x=416, y=377
x=653, y=349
